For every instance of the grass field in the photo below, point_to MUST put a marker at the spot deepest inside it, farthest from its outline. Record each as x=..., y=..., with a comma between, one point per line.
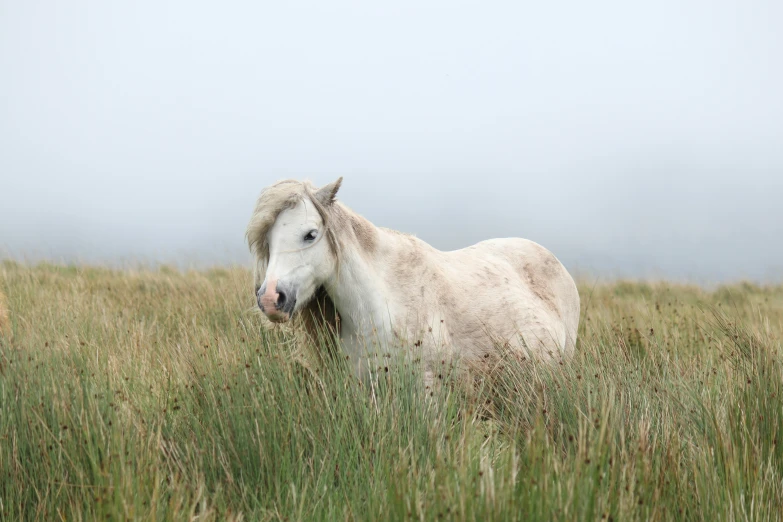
x=159, y=395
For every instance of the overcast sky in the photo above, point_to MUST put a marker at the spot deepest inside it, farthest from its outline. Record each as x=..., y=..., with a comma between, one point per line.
x=630, y=138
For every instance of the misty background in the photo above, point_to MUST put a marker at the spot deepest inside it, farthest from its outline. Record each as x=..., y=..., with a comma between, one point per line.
x=638, y=139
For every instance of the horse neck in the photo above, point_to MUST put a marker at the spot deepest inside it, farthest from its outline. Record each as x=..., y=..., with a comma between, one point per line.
x=360, y=290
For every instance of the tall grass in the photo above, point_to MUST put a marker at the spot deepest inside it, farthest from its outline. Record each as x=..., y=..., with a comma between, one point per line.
x=160, y=395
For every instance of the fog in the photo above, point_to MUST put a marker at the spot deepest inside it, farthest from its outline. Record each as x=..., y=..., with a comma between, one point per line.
x=631, y=139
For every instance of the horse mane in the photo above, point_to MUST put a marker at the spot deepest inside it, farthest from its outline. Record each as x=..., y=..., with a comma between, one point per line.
x=273, y=200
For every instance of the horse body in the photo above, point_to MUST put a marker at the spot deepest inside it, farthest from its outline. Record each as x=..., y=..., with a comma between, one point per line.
x=394, y=291
x=464, y=303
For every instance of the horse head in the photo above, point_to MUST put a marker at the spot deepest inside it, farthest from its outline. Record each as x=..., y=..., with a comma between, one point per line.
x=295, y=249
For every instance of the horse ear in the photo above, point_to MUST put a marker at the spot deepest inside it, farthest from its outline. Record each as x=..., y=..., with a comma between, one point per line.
x=326, y=194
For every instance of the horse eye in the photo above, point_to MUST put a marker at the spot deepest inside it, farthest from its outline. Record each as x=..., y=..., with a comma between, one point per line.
x=311, y=235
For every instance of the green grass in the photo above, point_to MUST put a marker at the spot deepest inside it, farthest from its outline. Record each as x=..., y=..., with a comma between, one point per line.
x=160, y=395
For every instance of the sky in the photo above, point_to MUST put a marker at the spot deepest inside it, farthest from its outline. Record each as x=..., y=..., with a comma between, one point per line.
x=633, y=139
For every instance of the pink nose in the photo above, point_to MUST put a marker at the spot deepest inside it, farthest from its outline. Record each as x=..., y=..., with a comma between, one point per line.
x=273, y=302
x=268, y=300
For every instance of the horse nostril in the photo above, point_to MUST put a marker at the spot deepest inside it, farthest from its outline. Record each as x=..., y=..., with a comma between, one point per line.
x=281, y=299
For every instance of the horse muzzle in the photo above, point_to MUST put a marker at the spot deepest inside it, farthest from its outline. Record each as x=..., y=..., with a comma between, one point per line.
x=277, y=300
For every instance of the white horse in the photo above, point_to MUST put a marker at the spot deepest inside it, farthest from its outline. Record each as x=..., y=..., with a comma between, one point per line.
x=381, y=288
